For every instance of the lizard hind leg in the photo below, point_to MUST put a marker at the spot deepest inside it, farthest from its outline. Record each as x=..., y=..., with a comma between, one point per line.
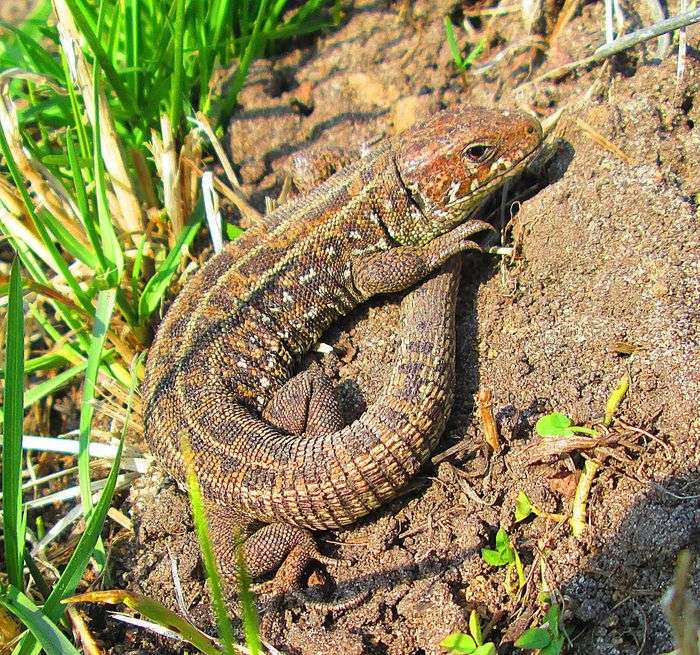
x=278, y=548
x=305, y=404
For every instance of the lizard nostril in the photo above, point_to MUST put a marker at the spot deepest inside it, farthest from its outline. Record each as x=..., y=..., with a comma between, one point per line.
x=531, y=129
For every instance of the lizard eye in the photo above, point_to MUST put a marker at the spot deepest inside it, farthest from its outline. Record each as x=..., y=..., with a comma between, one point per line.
x=479, y=152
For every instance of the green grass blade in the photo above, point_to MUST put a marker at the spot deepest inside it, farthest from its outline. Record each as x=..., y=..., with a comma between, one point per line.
x=37, y=54
x=200, y=524
x=103, y=315
x=249, y=615
x=72, y=246
x=83, y=204
x=229, y=102
x=158, y=284
x=305, y=11
x=37, y=392
x=452, y=43
x=75, y=107
x=219, y=13
x=52, y=640
x=102, y=57
x=70, y=577
x=132, y=38
x=13, y=413
x=177, y=75
x=110, y=246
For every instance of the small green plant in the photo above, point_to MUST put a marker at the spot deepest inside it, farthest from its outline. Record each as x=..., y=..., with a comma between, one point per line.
x=557, y=424
x=459, y=643
x=524, y=507
x=505, y=554
x=462, y=63
x=549, y=638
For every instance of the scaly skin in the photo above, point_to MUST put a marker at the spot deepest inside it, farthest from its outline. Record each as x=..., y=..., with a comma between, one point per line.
x=271, y=448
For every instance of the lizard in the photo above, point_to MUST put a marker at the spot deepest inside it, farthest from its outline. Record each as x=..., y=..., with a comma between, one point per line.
x=270, y=448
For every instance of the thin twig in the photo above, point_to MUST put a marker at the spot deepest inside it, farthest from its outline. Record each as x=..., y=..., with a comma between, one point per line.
x=623, y=43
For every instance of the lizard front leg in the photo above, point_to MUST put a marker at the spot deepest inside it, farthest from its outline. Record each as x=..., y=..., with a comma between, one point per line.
x=404, y=266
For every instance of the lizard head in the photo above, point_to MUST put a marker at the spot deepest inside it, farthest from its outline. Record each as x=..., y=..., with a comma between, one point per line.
x=450, y=163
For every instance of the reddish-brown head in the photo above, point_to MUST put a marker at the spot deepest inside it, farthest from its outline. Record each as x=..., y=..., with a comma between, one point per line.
x=451, y=162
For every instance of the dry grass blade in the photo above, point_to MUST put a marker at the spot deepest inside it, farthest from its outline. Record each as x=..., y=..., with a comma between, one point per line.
x=82, y=633
x=15, y=226
x=50, y=192
x=605, y=143
x=565, y=15
x=682, y=609
x=205, y=126
x=162, y=617
x=130, y=216
x=165, y=158
x=543, y=449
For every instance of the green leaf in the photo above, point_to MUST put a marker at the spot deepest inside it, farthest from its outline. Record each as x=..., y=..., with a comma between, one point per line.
x=534, y=638
x=474, y=52
x=555, y=424
x=554, y=647
x=486, y=649
x=52, y=640
x=458, y=644
x=232, y=231
x=503, y=545
x=523, y=507
x=552, y=618
x=13, y=413
x=475, y=627
x=493, y=557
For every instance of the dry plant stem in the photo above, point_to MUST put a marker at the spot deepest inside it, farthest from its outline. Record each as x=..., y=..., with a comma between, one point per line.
x=166, y=162
x=82, y=633
x=605, y=143
x=130, y=217
x=682, y=45
x=238, y=199
x=485, y=399
x=578, y=512
x=623, y=43
x=218, y=149
x=565, y=15
x=681, y=609
x=657, y=14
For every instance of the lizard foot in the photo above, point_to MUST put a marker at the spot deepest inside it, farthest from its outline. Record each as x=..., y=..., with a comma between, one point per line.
x=279, y=548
